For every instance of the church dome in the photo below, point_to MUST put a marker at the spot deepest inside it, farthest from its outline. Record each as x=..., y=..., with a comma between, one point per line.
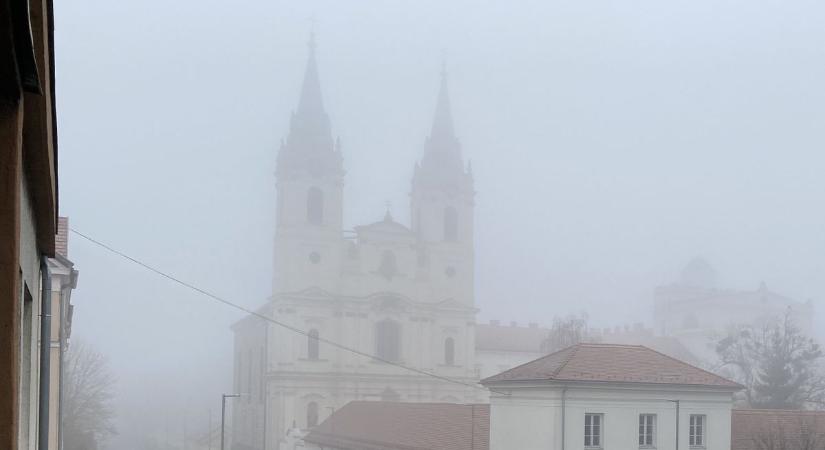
x=699, y=273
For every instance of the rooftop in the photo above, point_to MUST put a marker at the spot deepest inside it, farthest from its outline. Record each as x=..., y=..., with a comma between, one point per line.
x=612, y=363
x=405, y=426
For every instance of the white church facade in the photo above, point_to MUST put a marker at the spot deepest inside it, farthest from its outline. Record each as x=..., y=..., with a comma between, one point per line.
x=401, y=293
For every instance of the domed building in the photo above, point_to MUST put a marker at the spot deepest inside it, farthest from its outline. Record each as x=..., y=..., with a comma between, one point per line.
x=699, y=313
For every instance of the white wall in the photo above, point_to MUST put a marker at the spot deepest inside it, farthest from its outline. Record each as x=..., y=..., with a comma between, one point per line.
x=531, y=418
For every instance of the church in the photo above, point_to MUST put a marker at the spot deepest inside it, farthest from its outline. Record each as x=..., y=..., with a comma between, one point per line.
x=400, y=294
x=386, y=311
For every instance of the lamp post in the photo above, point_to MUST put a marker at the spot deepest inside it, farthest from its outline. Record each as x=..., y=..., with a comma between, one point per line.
x=223, y=415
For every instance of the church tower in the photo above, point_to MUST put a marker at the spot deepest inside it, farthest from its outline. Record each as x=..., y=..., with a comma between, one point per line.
x=310, y=179
x=442, y=203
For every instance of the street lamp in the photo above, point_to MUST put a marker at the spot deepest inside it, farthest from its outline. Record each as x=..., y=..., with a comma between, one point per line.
x=223, y=415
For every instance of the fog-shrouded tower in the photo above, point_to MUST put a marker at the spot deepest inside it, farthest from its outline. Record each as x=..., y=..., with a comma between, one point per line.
x=403, y=294
x=310, y=182
x=442, y=202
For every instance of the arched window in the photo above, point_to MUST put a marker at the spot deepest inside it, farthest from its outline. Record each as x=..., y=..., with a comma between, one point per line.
x=312, y=344
x=389, y=395
x=388, y=340
x=388, y=267
x=449, y=351
x=450, y=224
x=315, y=206
x=312, y=414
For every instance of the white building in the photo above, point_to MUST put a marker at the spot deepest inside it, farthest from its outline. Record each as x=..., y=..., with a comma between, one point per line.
x=697, y=312
x=403, y=293
x=611, y=397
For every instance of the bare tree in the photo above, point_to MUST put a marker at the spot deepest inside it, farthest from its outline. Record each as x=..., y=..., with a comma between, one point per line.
x=88, y=391
x=778, y=365
x=565, y=332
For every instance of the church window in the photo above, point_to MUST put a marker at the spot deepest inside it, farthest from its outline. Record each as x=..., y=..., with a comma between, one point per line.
x=249, y=376
x=261, y=381
x=314, y=257
x=315, y=206
x=389, y=266
x=449, y=351
x=312, y=414
x=450, y=224
x=389, y=395
x=312, y=344
x=388, y=340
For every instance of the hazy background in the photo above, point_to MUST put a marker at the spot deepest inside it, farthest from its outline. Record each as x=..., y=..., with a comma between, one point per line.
x=611, y=142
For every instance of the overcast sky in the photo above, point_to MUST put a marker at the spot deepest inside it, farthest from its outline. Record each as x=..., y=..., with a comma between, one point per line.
x=611, y=142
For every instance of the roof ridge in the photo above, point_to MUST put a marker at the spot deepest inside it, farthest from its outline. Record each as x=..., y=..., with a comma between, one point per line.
x=541, y=358
x=776, y=411
x=708, y=372
x=573, y=349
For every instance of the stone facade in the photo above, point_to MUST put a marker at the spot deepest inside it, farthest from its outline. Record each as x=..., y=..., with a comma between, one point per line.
x=401, y=293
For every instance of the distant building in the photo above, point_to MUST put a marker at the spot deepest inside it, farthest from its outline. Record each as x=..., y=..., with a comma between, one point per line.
x=402, y=293
x=697, y=312
x=609, y=396
x=28, y=222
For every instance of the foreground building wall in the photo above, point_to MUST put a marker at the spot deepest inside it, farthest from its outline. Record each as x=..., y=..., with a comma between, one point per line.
x=540, y=418
x=28, y=210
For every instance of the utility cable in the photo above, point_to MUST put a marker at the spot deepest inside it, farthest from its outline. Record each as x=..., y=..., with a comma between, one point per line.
x=271, y=320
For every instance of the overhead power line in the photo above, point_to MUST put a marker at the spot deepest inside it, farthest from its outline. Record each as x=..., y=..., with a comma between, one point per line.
x=270, y=319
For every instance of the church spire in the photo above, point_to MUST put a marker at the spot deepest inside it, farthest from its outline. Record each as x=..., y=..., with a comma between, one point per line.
x=311, y=102
x=309, y=144
x=443, y=119
x=443, y=151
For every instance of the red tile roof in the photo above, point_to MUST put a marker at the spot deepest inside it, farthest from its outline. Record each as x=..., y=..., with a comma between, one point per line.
x=757, y=429
x=405, y=426
x=612, y=363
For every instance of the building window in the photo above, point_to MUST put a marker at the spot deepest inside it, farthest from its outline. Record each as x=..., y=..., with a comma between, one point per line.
x=389, y=395
x=249, y=376
x=315, y=206
x=647, y=430
x=697, y=432
x=593, y=430
x=389, y=266
x=449, y=351
x=388, y=340
x=450, y=224
x=262, y=381
x=312, y=344
x=312, y=414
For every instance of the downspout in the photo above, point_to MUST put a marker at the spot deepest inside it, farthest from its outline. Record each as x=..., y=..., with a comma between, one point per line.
x=45, y=353
x=563, y=414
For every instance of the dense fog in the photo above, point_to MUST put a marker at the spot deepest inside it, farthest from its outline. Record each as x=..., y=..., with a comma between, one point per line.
x=611, y=143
